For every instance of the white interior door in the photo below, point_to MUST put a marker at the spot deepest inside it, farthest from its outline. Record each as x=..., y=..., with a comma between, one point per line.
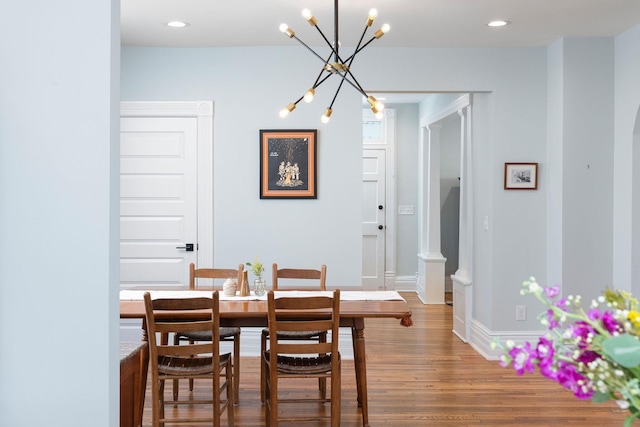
x=158, y=200
x=373, y=219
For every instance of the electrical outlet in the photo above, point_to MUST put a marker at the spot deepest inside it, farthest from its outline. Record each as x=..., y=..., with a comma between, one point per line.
x=521, y=312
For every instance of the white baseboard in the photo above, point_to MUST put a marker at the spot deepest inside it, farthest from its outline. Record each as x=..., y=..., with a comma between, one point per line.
x=481, y=339
x=405, y=283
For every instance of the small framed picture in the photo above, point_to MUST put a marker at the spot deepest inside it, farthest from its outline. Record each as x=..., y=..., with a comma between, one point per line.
x=520, y=176
x=288, y=164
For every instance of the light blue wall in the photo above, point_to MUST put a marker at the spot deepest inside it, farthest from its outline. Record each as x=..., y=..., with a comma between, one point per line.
x=626, y=248
x=525, y=102
x=59, y=359
x=407, y=138
x=249, y=86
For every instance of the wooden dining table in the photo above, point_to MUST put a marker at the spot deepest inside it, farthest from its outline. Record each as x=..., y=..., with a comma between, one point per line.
x=355, y=307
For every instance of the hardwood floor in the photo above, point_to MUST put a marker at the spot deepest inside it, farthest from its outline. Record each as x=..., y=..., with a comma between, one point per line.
x=424, y=375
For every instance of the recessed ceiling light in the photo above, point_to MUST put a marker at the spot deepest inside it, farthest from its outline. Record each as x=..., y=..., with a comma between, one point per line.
x=177, y=24
x=498, y=23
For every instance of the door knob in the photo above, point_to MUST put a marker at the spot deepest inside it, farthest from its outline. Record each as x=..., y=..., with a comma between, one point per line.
x=380, y=227
x=187, y=247
x=380, y=207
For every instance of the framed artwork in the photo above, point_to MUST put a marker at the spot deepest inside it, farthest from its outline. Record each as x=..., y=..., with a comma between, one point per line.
x=520, y=176
x=288, y=164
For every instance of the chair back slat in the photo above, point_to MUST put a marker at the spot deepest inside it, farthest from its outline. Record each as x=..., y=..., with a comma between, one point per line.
x=300, y=278
x=185, y=350
x=170, y=360
x=160, y=315
x=300, y=314
x=306, y=347
x=304, y=325
x=214, y=273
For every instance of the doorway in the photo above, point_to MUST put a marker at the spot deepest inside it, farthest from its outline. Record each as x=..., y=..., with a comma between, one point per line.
x=378, y=201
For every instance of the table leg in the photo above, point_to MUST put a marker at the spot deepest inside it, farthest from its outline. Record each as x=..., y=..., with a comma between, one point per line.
x=359, y=355
x=141, y=387
x=144, y=369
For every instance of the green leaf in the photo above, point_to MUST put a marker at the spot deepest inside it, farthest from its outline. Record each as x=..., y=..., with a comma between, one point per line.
x=623, y=349
x=599, y=397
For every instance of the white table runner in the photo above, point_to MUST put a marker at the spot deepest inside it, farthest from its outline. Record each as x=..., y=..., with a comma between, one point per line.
x=138, y=295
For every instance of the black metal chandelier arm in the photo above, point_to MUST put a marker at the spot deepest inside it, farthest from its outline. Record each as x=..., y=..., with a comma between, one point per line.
x=337, y=91
x=358, y=50
x=311, y=50
x=334, y=50
x=354, y=84
x=322, y=70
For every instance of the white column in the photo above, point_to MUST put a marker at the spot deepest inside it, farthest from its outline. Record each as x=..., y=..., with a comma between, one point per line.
x=431, y=262
x=462, y=290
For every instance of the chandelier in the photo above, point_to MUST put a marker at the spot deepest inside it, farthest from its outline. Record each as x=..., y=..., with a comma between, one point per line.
x=335, y=65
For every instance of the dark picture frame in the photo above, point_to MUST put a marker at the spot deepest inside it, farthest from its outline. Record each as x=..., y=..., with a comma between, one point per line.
x=520, y=176
x=288, y=164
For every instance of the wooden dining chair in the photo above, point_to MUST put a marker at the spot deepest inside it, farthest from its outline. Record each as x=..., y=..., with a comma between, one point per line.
x=296, y=279
x=190, y=361
x=287, y=359
x=231, y=334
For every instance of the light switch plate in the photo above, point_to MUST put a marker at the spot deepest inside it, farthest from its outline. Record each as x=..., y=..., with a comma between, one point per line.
x=405, y=210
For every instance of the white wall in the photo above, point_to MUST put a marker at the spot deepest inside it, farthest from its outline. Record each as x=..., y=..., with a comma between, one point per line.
x=587, y=141
x=407, y=139
x=249, y=86
x=59, y=364
x=450, y=191
x=626, y=172
x=525, y=102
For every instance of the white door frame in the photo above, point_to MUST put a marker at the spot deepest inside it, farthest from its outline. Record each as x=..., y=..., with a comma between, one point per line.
x=388, y=144
x=430, y=259
x=203, y=112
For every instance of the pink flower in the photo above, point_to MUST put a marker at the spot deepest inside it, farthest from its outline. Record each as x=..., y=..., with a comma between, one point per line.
x=552, y=292
x=582, y=330
x=523, y=358
x=572, y=380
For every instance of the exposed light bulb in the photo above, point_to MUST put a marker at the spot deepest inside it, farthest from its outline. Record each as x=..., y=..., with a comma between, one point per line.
x=327, y=114
x=288, y=31
x=382, y=31
x=306, y=14
x=285, y=111
x=308, y=97
x=373, y=14
x=379, y=115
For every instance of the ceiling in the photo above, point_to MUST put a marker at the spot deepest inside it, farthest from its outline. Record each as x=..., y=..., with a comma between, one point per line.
x=414, y=23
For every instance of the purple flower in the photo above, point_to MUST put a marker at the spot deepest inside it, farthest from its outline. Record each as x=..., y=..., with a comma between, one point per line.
x=572, y=380
x=551, y=318
x=588, y=356
x=545, y=352
x=610, y=323
x=562, y=304
x=581, y=331
x=523, y=358
x=552, y=292
x=607, y=319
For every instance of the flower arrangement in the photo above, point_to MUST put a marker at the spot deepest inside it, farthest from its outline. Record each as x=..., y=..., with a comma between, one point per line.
x=256, y=267
x=595, y=354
